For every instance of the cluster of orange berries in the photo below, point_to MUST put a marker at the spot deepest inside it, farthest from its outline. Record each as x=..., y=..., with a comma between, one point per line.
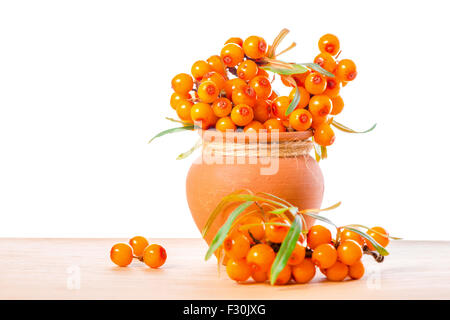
x=153, y=255
x=210, y=95
x=251, y=251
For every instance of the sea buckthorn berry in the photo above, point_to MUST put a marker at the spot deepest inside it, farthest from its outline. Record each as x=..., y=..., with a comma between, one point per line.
x=259, y=276
x=337, y=272
x=320, y=105
x=300, y=78
x=274, y=124
x=255, y=47
x=242, y=114
x=232, y=54
x=121, y=254
x=202, y=114
x=273, y=96
x=222, y=107
x=304, y=97
x=304, y=272
x=138, y=244
x=324, y=255
x=350, y=235
x=261, y=110
x=338, y=105
x=236, y=245
x=260, y=257
x=215, y=77
x=262, y=86
x=277, y=233
x=262, y=72
x=284, y=276
x=346, y=70
x=326, y=61
x=349, y=252
x=224, y=124
x=333, y=87
x=184, y=110
x=318, y=121
x=329, y=43
x=356, y=270
x=155, y=256
x=199, y=69
x=182, y=83
x=216, y=64
x=254, y=126
x=256, y=232
x=233, y=84
x=318, y=235
x=300, y=119
x=238, y=270
x=247, y=70
x=208, y=91
x=235, y=40
x=324, y=135
x=379, y=235
x=175, y=98
x=315, y=83
x=244, y=95
x=280, y=106
x=297, y=256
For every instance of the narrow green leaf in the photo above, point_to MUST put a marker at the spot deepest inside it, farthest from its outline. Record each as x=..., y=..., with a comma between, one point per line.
x=319, y=69
x=276, y=198
x=317, y=150
x=296, y=69
x=186, y=154
x=223, y=231
x=381, y=250
x=179, y=121
x=279, y=211
x=341, y=127
x=367, y=228
x=172, y=130
x=294, y=102
x=318, y=217
x=324, y=152
x=286, y=249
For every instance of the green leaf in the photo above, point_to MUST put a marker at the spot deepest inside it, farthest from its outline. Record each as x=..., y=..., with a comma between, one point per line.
x=375, y=244
x=186, y=154
x=294, y=102
x=324, y=152
x=223, y=231
x=296, y=69
x=318, y=217
x=173, y=130
x=179, y=121
x=317, y=151
x=319, y=69
x=286, y=249
x=277, y=198
x=367, y=228
x=341, y=127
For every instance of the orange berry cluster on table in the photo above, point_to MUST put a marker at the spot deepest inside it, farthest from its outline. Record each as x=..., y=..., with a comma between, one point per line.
x=264, y=242
x=153, y=255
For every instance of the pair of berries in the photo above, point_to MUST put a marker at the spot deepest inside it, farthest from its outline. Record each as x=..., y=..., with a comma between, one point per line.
x=153, y=255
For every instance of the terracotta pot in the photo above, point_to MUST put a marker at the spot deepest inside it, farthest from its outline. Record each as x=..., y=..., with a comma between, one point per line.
x=298, y=178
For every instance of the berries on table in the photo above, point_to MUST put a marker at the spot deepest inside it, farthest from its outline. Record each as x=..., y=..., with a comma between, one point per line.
x=318, y=235
x=275, y=232
x=350, y=235
x=257, y=230
x=284, y=276
x=349, y=252
x=356, y=270
x=259, y=276
x=337, y=272
x=380, y=235
x=138, y=244
x=238, y=270
x=324, y=255
x=297, y=256
x=260, y=257
x=121, y=254
x=236, y=245
x=154, y=256
x=304, y=271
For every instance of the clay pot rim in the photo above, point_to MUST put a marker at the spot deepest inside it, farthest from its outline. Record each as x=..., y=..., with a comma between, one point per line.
x=210, y=135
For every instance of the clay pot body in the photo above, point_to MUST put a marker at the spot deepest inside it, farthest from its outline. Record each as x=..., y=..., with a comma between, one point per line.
x=298, y=180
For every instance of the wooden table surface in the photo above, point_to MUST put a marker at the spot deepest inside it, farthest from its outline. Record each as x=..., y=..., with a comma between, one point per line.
x=81, y=269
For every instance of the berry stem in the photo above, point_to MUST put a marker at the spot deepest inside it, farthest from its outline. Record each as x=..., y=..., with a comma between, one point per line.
x=378, y=257
x=141, y=259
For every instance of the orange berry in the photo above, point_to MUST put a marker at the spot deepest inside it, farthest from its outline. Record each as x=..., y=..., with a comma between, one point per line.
x=333, y=87
x=202, y=113
x=315, y=83
x=337, y=272
x=304, y=97
x=349, y=252
x=261, y=110
x=224, y=124
x=254, y=232
x=280, y=106
x=300, y=78
x=262, y=87
x=319, y=120
x=184, y=110
x=236, y=245
x=232, y=54
x=247, y=70
x=242, y=114
x=284, y=276
x=254, y=126
x=138, y=244
x=304, y=272
x=346, y=70
x=244, y=95
x=262, y=72
x=273, y=96
x=233, y=84
x=235, y=40
x=300, y=119
x=259, y=276
x=208, y=91
x=318, y=235
x=121, y=254
x=155, y=256
x=297, y=256
x=216, y=64
x=379, y=235
x=175, y=98
x=182, y=83
x=324, y=255
x=199, y=69
x=356, y=270
x=276, y=233
x=320, y=105
x=215, y=77
x=324, y=135
x=326, y=61
x=255, y=47
x=329, y=43
x=350, y=235
x=274, y=124
x=238, y=270
x=222, y=107
x=338, y=105
x=261, y=257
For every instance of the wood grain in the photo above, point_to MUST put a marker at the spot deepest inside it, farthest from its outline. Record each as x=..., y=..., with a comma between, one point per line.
x=48, y=268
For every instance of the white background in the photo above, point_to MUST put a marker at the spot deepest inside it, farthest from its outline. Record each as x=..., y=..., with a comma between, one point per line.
x=85, y=84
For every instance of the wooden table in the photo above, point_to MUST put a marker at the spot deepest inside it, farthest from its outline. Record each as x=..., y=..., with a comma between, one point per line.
x=81, y=269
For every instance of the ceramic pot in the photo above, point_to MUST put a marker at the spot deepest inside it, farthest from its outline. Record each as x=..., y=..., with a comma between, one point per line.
x=296, y=176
